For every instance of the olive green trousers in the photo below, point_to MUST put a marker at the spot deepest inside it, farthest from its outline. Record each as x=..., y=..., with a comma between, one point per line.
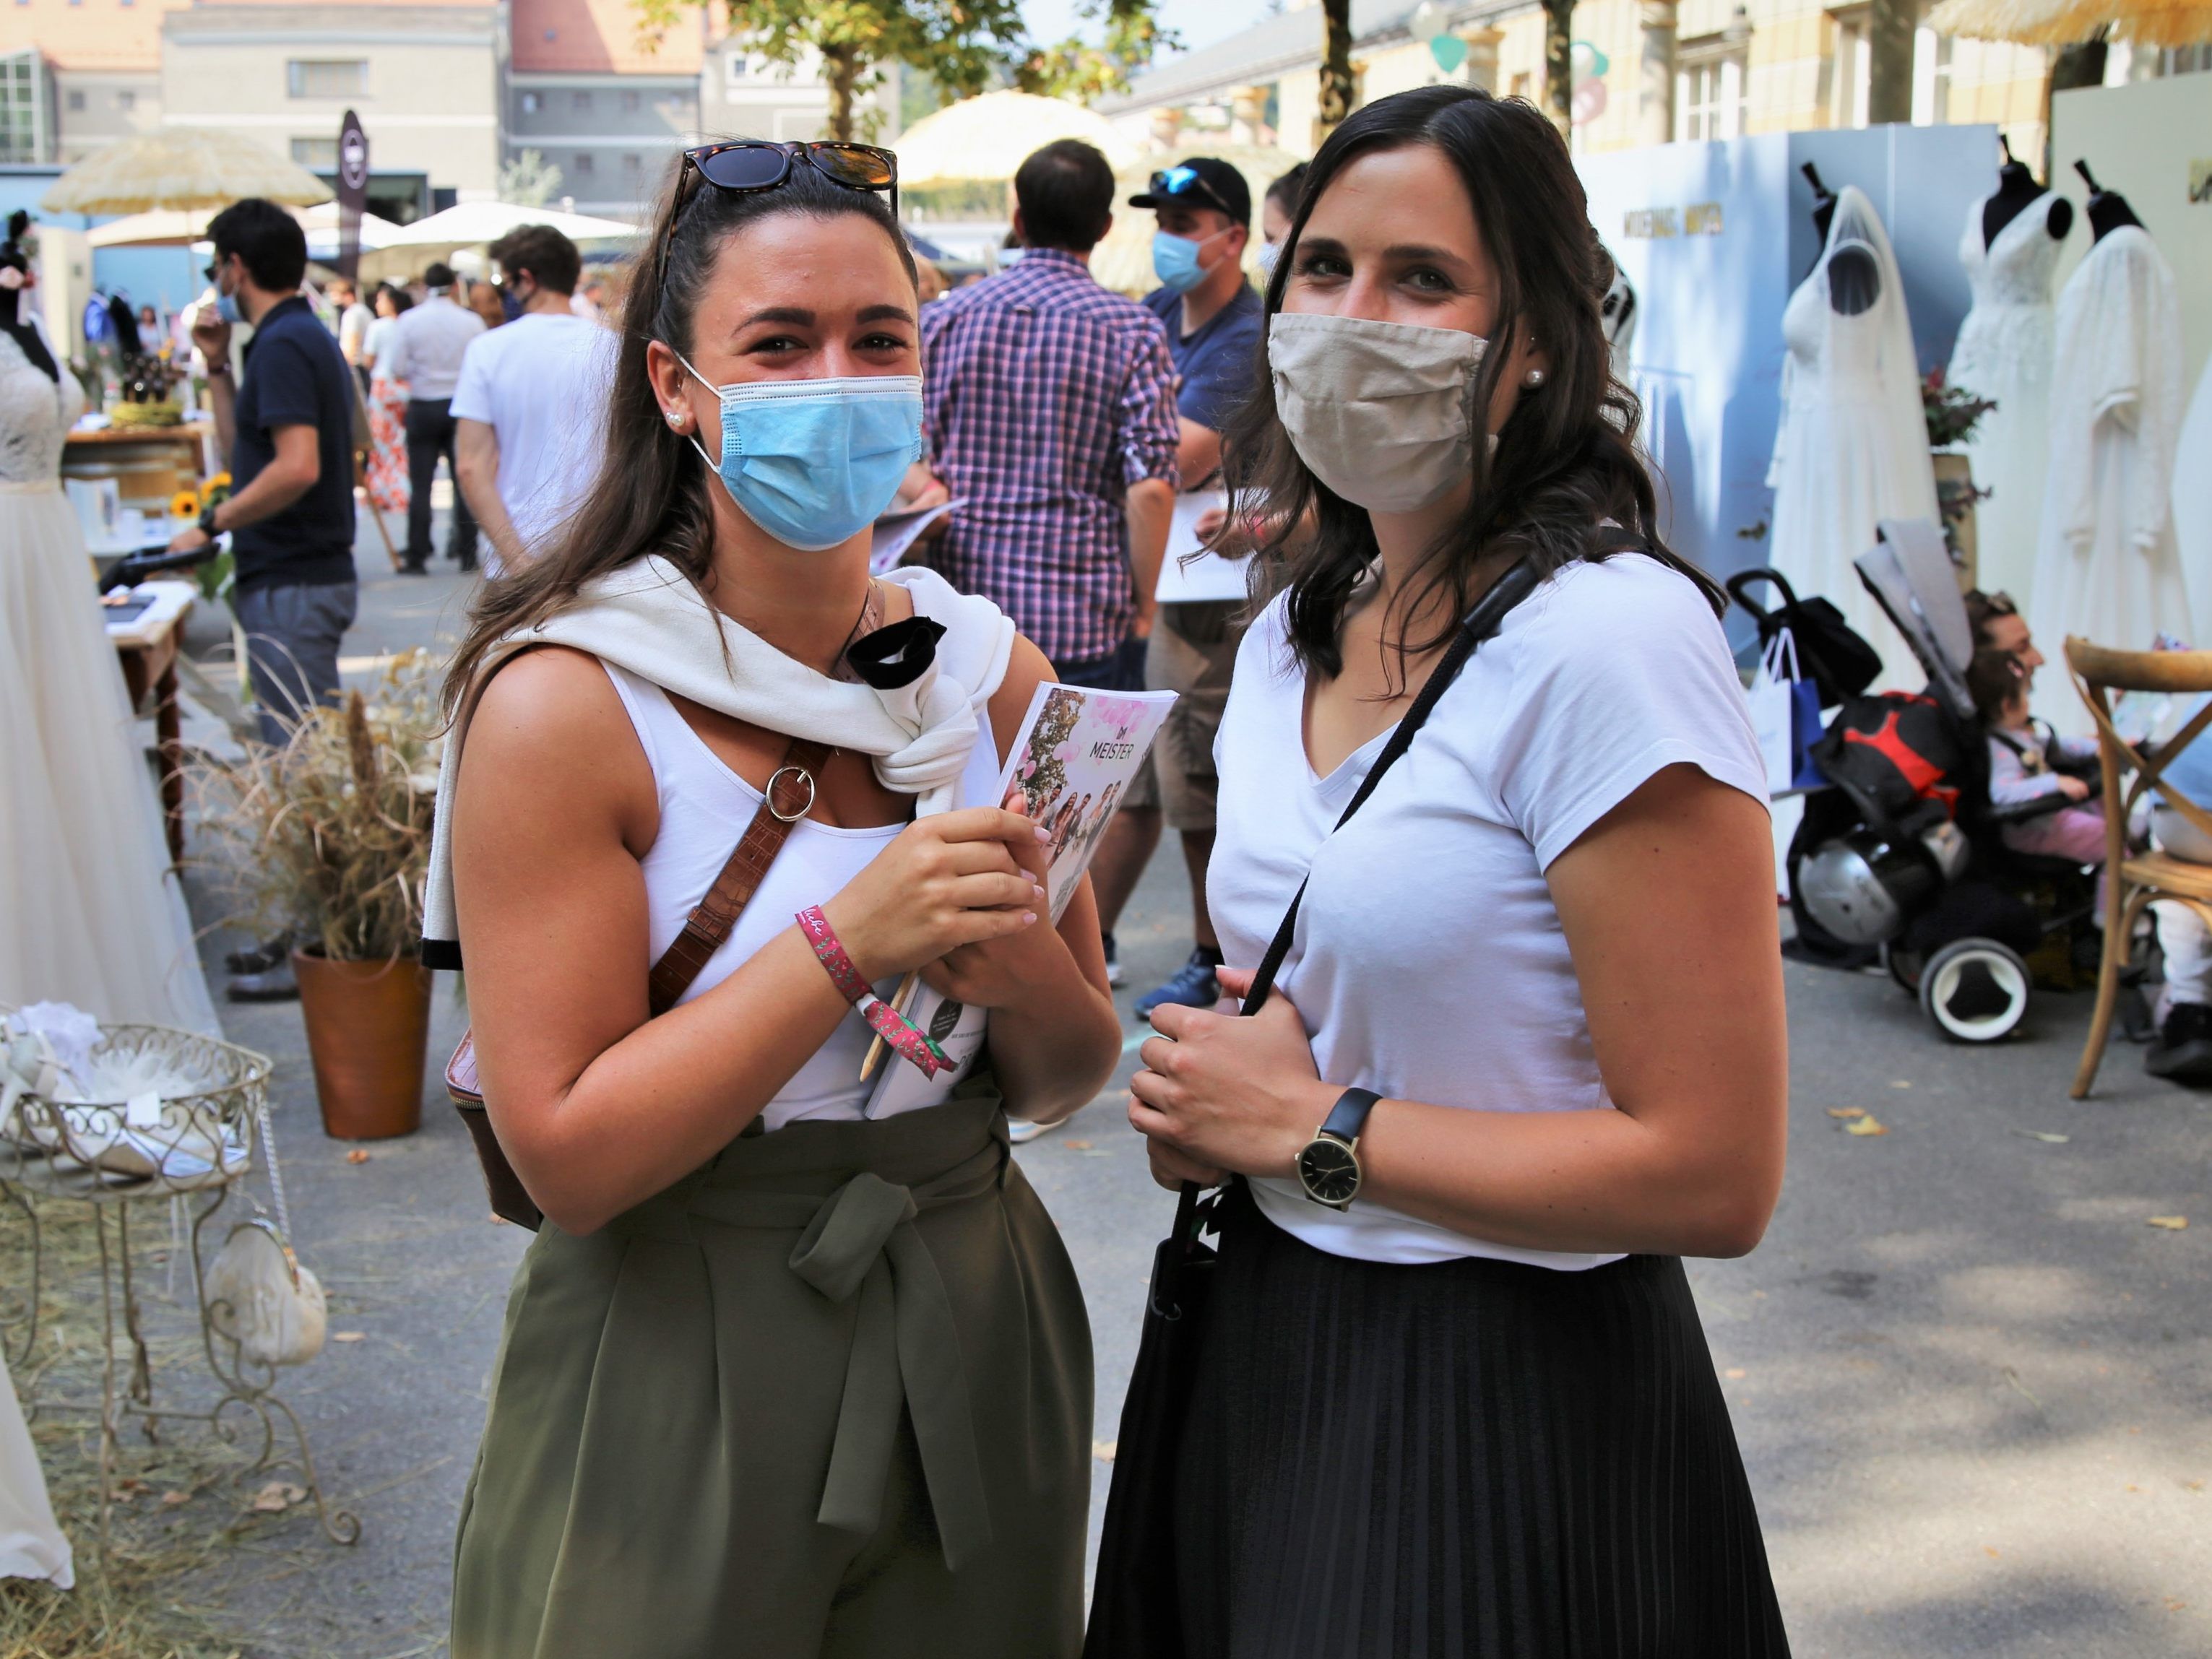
x=829, y=1397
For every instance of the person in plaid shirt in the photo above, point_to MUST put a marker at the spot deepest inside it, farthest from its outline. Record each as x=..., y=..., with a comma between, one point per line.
x=1050, y=411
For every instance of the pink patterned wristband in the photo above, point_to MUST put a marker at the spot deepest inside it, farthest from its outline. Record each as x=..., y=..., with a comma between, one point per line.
x=885, y=1020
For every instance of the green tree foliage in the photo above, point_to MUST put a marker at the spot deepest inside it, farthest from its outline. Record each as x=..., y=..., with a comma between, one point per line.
x=529, y=180
x=963, y=46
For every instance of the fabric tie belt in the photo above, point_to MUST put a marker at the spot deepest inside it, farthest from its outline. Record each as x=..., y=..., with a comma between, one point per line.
x=860, y=1242
x=30, y=487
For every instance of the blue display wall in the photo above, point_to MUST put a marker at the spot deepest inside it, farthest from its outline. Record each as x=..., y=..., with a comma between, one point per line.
x=1716, y=237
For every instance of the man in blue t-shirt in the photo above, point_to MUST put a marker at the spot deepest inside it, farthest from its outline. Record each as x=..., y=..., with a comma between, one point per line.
x=1213, y=321
x=287, y=432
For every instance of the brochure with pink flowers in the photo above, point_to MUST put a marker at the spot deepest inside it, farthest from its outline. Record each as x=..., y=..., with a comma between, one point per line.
x=1078, y=750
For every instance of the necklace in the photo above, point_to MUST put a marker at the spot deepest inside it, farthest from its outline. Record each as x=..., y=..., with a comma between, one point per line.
x=863, y=623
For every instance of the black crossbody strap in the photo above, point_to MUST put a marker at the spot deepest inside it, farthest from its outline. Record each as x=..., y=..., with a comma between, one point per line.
x=1507, y=591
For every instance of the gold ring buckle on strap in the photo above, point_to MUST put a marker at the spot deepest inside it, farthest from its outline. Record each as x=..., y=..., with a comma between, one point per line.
x=775, y=778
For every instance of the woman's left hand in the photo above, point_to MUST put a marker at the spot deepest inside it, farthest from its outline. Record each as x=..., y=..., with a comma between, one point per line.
x=997, y=973
x=1221, y=1091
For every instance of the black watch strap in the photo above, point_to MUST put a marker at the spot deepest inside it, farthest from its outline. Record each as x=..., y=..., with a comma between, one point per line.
x=207, y=519
x=1349, y=1115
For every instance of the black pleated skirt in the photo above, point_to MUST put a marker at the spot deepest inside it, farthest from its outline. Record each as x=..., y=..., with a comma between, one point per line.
x=1473, y=1460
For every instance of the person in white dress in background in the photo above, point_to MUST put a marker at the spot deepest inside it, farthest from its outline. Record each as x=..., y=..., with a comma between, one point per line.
x=90, y=911
x=30, y=1542
x=1853, y=445
x=2108, y=568
x=2010, y=250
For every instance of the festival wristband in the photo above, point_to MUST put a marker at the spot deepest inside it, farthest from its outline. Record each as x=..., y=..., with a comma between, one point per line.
x=884, y=1019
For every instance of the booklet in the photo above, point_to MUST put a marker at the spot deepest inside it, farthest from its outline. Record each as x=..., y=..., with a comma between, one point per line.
x=1078, y=750
x=896, y=534
x=1189, y=570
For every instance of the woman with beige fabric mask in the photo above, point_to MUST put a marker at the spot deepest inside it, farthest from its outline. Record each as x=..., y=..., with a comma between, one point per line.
x=1519, y=1046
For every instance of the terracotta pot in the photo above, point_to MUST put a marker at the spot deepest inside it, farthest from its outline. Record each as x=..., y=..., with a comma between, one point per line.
x=368, y=1029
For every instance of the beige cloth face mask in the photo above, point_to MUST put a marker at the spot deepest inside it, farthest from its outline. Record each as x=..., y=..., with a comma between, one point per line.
x=1382, y=413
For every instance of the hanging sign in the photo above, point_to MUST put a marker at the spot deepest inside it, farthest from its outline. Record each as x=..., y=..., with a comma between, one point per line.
x=353, y=192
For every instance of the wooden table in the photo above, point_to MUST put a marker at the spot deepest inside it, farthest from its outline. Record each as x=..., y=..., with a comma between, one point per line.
x=148, y=646
x=176, y=454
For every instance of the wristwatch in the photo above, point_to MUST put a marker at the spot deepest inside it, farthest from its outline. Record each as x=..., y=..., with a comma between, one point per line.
x=1328, y=1166
x=207, y=521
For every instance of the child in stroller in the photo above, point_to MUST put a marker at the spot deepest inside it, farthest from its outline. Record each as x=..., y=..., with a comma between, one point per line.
x=2032, y=769
x=1906, y=855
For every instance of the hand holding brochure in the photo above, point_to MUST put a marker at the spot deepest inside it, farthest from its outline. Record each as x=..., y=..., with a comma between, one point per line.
x=1078, y=751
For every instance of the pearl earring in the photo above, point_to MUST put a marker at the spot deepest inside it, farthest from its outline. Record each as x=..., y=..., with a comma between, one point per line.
x=676, y=420
x=1533, y=379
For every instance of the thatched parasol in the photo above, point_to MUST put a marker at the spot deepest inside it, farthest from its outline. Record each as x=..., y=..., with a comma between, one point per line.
x=2061, y=22
x=182, y=167
x=983, y=140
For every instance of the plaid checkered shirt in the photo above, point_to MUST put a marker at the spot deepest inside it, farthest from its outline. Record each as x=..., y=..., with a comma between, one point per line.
x=1045, y=396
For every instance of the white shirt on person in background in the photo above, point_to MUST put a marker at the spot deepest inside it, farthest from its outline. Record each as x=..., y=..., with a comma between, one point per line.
x=427, y=347
x=376, y=345
x=1429, y=962
x=353, y=333
x=541, y=383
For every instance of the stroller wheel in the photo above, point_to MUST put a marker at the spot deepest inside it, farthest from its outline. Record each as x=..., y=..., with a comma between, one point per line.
x=1905, y=965
x=1975, y=990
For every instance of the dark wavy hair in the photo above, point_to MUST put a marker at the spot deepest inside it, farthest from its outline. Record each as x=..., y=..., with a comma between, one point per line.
x=650, y=494
x=1566, y=461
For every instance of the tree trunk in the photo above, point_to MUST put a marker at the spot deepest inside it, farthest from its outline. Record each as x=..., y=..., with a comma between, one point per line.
x=1559, y=64
x=2081, y=64
x=1890, y=24
x=841, y=68
x=1336, y=84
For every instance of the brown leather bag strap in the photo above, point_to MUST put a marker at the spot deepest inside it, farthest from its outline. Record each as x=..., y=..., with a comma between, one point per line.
x=788, y=797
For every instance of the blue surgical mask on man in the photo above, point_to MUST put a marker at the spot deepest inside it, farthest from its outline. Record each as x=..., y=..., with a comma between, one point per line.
x=226, y=307
x=1175, y=261
x=814, y=463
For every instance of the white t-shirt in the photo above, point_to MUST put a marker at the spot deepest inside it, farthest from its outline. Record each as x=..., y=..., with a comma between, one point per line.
x=1428, y=962
x=541, y=383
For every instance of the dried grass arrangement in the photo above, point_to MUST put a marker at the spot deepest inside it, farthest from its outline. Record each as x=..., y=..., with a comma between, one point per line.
x=330, y=836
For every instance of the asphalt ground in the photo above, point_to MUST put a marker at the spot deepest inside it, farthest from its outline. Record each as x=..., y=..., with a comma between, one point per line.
x=1970, y=1379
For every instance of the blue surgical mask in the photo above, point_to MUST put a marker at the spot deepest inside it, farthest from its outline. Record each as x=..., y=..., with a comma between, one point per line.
x=1174, y=262
x=814, y=463
x=226, y=307
x=1269, y=253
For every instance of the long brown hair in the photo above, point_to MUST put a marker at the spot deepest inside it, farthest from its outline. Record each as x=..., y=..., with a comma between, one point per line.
x=1566, y=459
x=650, y=494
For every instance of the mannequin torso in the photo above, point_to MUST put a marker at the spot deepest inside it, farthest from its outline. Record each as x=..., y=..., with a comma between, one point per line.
x=2016, y=191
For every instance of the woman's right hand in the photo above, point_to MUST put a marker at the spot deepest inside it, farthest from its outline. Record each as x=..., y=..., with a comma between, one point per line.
x=944, y=882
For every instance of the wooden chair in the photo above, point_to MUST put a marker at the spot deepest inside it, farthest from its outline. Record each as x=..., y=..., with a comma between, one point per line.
x=2132, y=881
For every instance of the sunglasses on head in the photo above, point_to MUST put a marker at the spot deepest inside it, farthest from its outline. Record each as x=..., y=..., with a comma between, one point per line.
x=745, y=165
x=1186, y=181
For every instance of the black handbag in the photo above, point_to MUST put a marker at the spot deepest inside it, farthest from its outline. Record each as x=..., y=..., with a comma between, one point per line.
x=1136, y=1600
x=1830, y=653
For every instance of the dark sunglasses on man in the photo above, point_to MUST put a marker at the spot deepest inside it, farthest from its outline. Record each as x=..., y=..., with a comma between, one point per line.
x=753, y=164
x=1187, y=184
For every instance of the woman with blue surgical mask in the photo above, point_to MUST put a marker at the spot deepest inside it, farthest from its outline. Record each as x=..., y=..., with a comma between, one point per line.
x=790, y=1369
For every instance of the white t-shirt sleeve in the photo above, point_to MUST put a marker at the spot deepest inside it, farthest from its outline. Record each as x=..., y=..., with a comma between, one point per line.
x=472, y=392
x=1619, y=668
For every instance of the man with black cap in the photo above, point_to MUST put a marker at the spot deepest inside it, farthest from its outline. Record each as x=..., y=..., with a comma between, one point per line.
x=1213, y=321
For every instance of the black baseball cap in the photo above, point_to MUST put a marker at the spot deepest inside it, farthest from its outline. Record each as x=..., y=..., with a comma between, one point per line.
x=1202, y=181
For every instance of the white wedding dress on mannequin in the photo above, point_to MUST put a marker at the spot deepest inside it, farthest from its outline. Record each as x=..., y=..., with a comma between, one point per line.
x=2108, y=568
x=90, y=911
x=2003, y=354
x=1852, y=448
x=2192, y=505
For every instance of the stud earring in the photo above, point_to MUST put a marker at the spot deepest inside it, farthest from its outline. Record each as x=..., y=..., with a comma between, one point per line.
x=676, y=420
x=1533, y=379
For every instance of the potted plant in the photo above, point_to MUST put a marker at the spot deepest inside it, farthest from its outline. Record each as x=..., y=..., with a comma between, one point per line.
x=1953, y=412
x=329, y=839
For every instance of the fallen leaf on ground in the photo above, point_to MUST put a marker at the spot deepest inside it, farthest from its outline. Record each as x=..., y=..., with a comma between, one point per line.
x=174, y=1499
x=277, y=1497
x=2044, y=1136
x=1899, y=1083
x=1078, y=1145
x=348, y=1336
x=356, y=1156
x=1733, y=1373
x=1103, y=1450
x=1846, y=1111
x=1992, y=1553
x=2173, y=1223
x=1866, y=1125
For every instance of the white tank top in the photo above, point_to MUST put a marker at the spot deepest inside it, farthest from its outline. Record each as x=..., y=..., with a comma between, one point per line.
x=704, y=808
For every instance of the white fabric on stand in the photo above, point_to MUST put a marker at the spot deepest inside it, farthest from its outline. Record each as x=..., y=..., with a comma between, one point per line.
x=1852, y=447
x=90, y=911
x=2106, y=565
x=31, y=1543
x=2192, y=505
x=649, y=619
x=2003, y=353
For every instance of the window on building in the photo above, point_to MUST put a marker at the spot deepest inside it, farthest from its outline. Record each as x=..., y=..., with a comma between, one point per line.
x=1523, y=80
x=584, y=167
x=1931, y=78
x=532, y=103
x=735, y=66
x=127, y=99
x=316, y=155
x=327, y=77
x=1709, y=97
x=22, y=108
x=1850, y=73
x=629, y=102
x=633, y=165
x=2185, y=60
x=581, y=99
x=76, y=102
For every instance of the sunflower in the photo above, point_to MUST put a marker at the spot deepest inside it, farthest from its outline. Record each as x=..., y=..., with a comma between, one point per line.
x=185, y=504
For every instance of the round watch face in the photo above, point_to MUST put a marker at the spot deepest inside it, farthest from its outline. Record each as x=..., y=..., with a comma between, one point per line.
x=1330, y=1171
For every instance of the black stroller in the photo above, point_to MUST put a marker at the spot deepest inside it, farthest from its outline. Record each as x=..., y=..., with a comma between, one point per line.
x=1903, y=856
